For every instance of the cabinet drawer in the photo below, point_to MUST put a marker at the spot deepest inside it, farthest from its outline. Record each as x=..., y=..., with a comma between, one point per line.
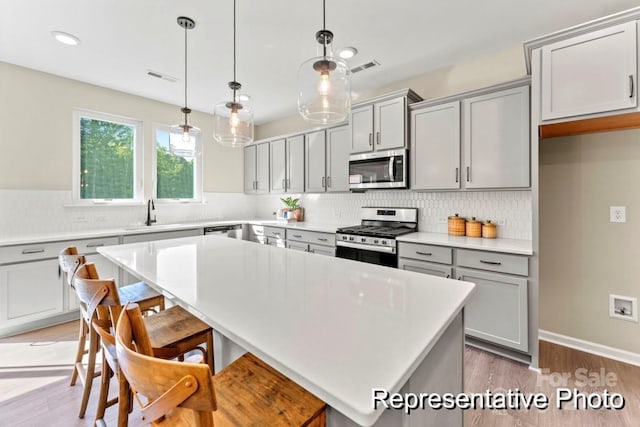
x=89, y=246
x=322, y=250
x=439, y=254
x=424, y=267
x=276, y=241
x=23, y=253
x=304, y=247
x=492, y=261
x=274, y=232
x=315, y=237
x=256, y=230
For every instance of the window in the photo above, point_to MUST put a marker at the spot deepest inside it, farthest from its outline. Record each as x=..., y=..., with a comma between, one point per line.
x=107, y=160
x=177, y=166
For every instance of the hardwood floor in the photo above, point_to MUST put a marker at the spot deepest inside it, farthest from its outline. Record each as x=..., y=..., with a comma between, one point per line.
x=35, y=369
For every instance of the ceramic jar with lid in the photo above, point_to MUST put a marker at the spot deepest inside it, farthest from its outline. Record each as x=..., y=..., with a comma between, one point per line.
x=456, y=225
x=489, y=230
x=474, y=228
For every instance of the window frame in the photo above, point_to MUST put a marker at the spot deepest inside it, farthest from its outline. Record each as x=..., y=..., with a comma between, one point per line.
x=197, y=169
x=138, y=158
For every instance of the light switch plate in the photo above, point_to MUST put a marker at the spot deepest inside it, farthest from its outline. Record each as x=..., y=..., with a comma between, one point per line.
x=617, y=214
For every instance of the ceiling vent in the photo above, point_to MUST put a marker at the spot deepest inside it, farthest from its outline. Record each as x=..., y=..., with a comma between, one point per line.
x=159, y=75
x=363, y=67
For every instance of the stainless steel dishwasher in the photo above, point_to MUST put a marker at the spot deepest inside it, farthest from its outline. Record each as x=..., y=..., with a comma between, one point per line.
x=234, y=231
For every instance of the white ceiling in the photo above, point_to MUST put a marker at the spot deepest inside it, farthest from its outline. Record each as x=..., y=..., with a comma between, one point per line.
x=122, y=39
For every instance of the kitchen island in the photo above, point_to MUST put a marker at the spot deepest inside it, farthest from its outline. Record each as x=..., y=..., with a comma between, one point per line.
x=337, y=327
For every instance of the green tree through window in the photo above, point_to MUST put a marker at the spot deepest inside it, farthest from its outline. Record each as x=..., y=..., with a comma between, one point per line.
x=106, y=159
x=175, y=167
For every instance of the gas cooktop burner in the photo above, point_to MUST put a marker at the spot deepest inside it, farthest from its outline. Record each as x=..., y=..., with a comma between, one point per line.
x=376, y=231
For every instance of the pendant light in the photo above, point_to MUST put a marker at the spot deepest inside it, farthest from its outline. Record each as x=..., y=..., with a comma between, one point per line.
x=324, y=83
x=233, y=120
x=183, y=136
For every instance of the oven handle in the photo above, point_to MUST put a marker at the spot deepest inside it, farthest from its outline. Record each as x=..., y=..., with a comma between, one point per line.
x=384, y=249
x=392, y=164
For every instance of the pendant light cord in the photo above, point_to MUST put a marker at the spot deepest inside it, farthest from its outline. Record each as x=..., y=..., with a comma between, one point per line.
x=324, y=14
x=234, y=43
x=185, y=67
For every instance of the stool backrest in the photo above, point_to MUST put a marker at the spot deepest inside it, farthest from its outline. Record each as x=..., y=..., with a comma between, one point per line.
x=69, y=261
x=180, y=392
x=100, y=297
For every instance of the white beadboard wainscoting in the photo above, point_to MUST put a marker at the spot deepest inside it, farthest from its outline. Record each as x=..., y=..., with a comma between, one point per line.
x=510, y=209
x=31, y=212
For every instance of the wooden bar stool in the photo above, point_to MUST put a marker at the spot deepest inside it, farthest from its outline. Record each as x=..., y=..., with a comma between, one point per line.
x=173, y=331
x=140, y=293
x=248, y=392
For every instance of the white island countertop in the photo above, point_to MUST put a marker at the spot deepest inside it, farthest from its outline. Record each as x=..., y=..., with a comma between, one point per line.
x=511, y=246
x=337, y=327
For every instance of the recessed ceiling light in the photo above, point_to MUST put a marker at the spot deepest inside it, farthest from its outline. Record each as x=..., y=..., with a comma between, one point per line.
x=348, y=52
x=66, y=38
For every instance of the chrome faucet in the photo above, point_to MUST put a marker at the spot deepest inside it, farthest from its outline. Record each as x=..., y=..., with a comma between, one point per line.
x=150, y=207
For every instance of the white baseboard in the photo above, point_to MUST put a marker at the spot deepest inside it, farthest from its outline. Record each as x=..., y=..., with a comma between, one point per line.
x=591, y=347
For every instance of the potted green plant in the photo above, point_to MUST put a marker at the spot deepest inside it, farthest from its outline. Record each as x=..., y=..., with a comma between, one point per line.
x=295, y=210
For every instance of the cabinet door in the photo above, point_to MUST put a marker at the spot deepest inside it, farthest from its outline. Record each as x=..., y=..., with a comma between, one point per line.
x=296, y=246
x=424, y=267
x=322, y=250
x=390, y=120
x=262, y=168
x=497, y=311
x=315, y=159
x=250, y=169
x=496, y=139
x=591, y=73
x=278, y=165
x=295, y=164
x=361, y=129
x=30, y=291
x=435, y=147
x=338, y=159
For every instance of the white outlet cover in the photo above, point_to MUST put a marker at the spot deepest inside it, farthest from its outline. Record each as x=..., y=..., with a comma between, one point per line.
x=617, y=214
x=617, y=303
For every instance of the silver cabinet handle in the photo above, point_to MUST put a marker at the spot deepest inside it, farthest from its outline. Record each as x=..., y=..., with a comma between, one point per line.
x=370, y=140
x=94, y=245
x=490, y=262
x=322, y=239
x=631, y=86
x=32, y=251
x=448, y=276
x=323, y=182
x=457, y=175
x=468, y=174
x=378, y=138
x=329, y=181
x=297, y=236
x=424, y=253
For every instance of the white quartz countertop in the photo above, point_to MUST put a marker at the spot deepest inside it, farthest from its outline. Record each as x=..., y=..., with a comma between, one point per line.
x=158, y=228
x=337, y=327
x=512, y=246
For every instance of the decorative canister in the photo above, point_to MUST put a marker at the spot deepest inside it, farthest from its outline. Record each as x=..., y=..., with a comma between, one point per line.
x=456, y=225
x=474, y=228
x=489, y=230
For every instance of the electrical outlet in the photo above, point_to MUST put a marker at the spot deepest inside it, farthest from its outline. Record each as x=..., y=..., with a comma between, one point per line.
x=79, y=218
x=442, y=220
x=101, y=219
x=621, y=307
x=500, y=222
x=617, y=214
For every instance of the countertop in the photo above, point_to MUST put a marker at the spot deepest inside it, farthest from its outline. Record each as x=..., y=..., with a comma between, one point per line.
x=511, y=246
x=337, y=327
x=158, y=228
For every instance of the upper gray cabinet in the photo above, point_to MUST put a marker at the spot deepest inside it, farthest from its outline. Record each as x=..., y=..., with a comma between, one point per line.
x=435, y=151
x=381, y=123
x=287, y=164
x=496, y=139
x=256, y=168
x=327, y=160
x=591, y=73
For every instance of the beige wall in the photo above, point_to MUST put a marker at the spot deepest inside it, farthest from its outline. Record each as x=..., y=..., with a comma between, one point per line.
x=477, y=73
x=584, y=257
x=35, y=118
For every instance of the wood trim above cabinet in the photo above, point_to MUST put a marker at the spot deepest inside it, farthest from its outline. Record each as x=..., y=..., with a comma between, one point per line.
x=598, y=124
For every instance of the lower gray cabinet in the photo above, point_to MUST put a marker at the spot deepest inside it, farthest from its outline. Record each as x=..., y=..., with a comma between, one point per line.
x=322, y=250
x=303, y=247
x=497, y=311
x=424, y=267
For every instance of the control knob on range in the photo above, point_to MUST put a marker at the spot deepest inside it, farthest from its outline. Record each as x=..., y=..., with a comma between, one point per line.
x=384, y=242
x=351, y=238
x=375, y=241
x=344, y=237
x=363, y=239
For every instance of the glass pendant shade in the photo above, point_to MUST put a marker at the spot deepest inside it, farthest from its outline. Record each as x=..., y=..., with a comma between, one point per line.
x=233, y=124
x=324, y=85
x=184, y=140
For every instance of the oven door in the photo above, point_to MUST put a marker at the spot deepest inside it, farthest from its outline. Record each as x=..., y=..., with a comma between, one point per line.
x=385, y=169
x=365, y=255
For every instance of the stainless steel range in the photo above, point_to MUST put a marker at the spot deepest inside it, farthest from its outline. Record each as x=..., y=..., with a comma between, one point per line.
x=374, y=241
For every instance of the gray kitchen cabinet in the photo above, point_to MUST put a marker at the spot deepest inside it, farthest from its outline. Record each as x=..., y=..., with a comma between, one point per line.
x=315, y=241
x=435, y=150
x=425, y=267
x=256, y=168
x=381, y=123
x=287, y=165
x=303, y=247
x=327, y=160
x=497, y=312
x=590, y=73
x=322, y=250
x=496, y=139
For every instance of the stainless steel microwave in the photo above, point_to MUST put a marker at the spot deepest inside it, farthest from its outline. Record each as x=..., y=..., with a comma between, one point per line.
x=380, y=169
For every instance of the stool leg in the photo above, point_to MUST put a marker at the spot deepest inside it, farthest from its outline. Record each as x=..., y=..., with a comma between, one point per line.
x=210, y=361
x=82, y=339
x=124, y=400
x=105, y=379
x=94, y=344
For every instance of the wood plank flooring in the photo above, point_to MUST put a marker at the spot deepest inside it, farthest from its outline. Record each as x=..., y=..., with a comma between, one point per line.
x=35, y=369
